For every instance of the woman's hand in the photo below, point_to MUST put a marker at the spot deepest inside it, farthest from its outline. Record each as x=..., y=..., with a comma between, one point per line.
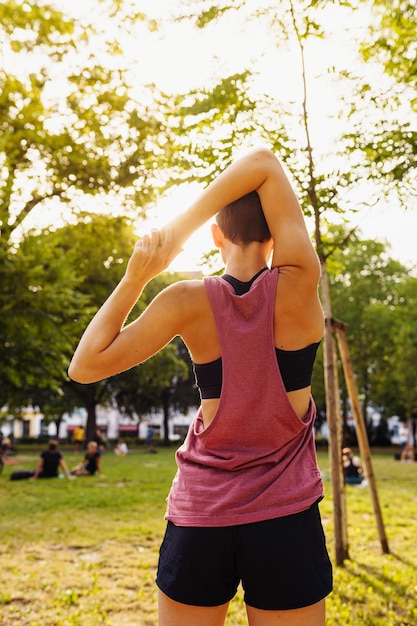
x=152, y=255
x=104, y=348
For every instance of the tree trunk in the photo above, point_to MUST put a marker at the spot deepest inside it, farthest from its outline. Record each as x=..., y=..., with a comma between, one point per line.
x=165, y=405
x=361, y=432
x=91, y=406
x=57, y=423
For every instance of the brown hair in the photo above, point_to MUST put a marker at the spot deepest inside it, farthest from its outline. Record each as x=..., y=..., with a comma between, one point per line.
x=243, y=221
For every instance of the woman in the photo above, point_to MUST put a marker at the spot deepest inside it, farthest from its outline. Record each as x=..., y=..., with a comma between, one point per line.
x=352, y=467
x=50, y=461
x=243, y=506
x=90, y=466
x=5, y=448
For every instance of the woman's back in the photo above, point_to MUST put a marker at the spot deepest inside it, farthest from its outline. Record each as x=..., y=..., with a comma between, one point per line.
x=246, y=447
x=298, y=323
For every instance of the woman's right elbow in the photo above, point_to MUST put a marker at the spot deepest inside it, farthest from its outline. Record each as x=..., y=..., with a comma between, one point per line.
x=267, y=160
x=264, y=153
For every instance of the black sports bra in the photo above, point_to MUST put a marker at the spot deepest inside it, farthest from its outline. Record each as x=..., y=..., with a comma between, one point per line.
x=296, y=366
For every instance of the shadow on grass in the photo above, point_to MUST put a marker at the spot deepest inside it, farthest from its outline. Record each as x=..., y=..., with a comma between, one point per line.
x=386, y=589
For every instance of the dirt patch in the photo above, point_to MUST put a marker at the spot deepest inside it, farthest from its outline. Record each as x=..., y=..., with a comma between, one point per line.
x=111, y=583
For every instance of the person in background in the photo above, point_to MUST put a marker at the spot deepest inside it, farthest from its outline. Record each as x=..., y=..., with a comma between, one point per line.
x=50, y=461
x=407, y=454
x=149, y=441
x=244, y=504
x=5, y=449
x=100, y=439
x=91, y=465
x=78, y=438
x=352, y=467
x=121, y=449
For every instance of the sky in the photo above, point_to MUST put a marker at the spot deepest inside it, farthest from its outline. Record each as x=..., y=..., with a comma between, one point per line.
x=178, y=58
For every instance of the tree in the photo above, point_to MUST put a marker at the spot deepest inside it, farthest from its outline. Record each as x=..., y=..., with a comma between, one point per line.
x=393, y=40
x=94, y=251
x=70, y=128
x=54, y=403
x=56, y=280
x=366, y=287
x=39, y=300
x=387, y=96
x=97, y=249
x=405, y=351
x=69, y=131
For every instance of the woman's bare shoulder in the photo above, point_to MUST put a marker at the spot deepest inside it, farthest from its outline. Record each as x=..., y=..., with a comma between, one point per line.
x=195, y=320
x=188, y=295
x=186, y=288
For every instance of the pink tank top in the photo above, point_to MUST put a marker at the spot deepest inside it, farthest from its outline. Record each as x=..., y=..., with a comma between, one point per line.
x=257, y=459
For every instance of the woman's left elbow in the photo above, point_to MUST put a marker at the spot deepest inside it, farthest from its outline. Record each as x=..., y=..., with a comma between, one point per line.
x=78, y=375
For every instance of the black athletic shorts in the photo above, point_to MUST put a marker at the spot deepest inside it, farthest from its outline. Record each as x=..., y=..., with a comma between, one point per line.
x=282, y=563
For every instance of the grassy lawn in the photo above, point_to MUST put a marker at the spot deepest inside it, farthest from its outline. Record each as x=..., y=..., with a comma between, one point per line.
x=84, y=552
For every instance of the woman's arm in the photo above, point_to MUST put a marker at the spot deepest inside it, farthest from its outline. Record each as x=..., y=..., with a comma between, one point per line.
x=107, y=346
x=259, y=170
x=98, y=465
x=64, y=468
x=38, y=470
x=7, y=461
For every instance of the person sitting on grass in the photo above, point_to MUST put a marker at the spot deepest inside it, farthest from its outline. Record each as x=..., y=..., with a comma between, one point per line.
x=90, y=466
x=121, y=449
x=5, y=448
x=352, y=467
x=49, y=463
x=407, y=454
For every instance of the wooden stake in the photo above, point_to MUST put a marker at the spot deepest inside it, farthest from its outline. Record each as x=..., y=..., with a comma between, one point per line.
x=334, y=423
x=364, y=449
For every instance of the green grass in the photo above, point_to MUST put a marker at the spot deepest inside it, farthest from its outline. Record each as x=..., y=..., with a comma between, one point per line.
x=84, y=552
